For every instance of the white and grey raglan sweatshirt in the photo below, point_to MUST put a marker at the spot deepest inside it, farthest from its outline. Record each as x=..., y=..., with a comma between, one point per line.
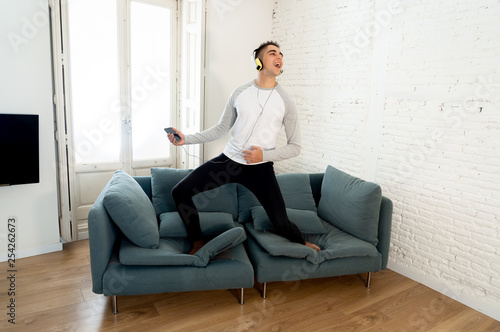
x=255, y=122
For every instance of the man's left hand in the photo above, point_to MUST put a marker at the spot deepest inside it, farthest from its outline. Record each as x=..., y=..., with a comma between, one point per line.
x=254, y=155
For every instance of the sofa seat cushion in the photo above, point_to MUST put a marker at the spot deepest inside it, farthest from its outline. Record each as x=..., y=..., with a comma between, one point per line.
x=212, y=224
x=296, y=191
x=219, y=199
x=350, y=204
x=131, y=210
x=335, y=243
x=175, y=252
x=307, y=221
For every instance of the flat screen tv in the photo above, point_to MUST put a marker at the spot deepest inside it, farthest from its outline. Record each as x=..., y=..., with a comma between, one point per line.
x=19, y=149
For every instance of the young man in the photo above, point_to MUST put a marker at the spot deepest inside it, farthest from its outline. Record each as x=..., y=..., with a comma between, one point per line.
x=255, y=112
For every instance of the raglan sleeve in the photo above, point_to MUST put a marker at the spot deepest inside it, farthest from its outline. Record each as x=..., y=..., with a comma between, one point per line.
x=292, y=130
x=220, y=130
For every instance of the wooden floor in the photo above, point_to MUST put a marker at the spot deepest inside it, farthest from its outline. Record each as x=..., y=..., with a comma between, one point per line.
x=53, y=293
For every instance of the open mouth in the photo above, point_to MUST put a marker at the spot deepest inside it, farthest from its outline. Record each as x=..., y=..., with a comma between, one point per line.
x=277, y=65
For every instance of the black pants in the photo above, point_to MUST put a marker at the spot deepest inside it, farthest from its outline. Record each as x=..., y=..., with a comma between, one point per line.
x=259, y=179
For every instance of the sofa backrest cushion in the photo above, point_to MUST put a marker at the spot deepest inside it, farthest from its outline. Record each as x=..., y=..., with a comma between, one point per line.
x=350, y=204
x=296, y=191
x=211, y=223
x=131, y=210
x=162, y=182
x=220, y=199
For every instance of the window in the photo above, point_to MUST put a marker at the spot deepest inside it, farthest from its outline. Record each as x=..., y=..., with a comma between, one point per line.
x=123, y=71
x=121, y=76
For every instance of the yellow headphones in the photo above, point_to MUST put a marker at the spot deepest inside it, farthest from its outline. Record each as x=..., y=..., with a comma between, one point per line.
x=258, y=62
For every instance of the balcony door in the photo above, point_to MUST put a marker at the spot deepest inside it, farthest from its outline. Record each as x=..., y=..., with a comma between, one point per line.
x=116, y=89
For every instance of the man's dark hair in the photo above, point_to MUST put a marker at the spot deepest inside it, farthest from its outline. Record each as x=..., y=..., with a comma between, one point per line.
x=263, y=46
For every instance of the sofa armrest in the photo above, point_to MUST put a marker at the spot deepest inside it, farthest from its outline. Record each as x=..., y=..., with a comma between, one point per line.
x=102, y=239
x=384, y=230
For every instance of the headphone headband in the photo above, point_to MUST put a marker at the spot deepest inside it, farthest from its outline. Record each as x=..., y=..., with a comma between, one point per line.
x=255, y=52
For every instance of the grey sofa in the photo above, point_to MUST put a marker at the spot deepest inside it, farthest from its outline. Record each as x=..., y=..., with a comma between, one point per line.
x=138, y=243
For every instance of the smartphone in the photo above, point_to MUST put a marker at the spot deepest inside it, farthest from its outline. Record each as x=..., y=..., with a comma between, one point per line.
x=169, y=130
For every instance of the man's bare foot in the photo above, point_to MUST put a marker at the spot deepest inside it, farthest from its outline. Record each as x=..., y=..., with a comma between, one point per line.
x=312, y=245
x=196, y=246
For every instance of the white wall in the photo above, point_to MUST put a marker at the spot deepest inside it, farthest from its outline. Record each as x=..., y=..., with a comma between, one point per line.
x=408, y=96
x=234, y=30
x=26, y=87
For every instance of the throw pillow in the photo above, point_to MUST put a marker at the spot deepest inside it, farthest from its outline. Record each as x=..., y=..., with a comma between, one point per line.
x=131, y=210
x=307, y=221
x=350, y=204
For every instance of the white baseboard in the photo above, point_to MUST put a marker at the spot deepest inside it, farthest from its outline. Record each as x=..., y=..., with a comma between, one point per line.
x=33, y=251
x=441, y=287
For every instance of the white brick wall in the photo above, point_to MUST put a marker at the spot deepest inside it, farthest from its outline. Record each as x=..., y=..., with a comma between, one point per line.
x=331, y=98
x=407, y=96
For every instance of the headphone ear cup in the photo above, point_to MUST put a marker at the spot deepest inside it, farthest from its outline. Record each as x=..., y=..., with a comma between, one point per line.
x=259, y=64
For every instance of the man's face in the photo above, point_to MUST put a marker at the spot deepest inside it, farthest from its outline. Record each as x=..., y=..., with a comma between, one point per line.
x=272, y=59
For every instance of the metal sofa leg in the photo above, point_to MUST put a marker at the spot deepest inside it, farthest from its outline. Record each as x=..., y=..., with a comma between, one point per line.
x=114, y=301
x=242, y=300
x=369, y=280
x=262, y=289
x=238, y=294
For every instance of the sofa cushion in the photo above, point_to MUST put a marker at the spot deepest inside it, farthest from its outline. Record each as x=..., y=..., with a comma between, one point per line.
x=220, y=199
x=307, y=221
x=162, y=182
x=175, y=252
x=334, y=243
x=224, y=241
x=350, y=204
x=246, y=200
x=131, y=210
x=296, y=191
x=212, y=224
